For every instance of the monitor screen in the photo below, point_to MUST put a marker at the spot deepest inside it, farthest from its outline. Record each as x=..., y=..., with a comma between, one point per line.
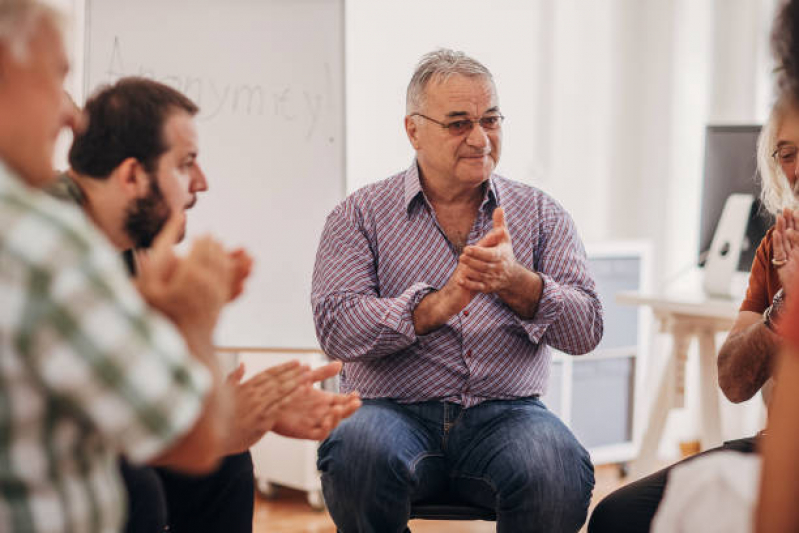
x=731, y=167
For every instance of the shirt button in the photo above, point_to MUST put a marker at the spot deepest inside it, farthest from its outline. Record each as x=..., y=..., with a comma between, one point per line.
x=468, y=354
x=465, y=312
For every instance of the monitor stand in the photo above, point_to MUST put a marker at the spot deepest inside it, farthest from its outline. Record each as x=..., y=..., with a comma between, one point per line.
x=725, y=250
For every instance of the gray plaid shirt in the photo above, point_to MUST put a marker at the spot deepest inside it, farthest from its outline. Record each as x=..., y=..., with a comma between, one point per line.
x=87, y=371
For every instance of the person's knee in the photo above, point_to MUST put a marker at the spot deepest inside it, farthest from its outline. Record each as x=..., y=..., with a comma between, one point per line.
x=557, y=465
x=357, y=452
x=548, y=476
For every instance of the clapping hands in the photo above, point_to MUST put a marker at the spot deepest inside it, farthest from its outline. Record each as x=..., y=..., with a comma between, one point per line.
x=785, y=243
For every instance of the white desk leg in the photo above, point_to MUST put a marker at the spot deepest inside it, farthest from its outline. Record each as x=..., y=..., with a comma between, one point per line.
x=644, y=464
x=671, y=393
x=710, y=421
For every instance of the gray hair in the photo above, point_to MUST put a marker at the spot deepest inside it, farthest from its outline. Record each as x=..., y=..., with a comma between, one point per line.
x=440, y=64
x=18, y=19
x=776, y=192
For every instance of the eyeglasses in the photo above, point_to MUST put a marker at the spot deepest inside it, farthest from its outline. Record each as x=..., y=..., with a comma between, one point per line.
x=465, y=125
x=786, y=154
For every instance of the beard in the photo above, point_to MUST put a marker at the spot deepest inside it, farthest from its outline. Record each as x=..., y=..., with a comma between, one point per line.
x=146, y=216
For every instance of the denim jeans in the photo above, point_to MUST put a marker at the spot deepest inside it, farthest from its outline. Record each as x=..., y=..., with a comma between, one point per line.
x=510, y=455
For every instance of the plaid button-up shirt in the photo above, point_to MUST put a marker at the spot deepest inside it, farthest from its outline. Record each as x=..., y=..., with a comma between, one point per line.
x=382, y=251
x=87, y=371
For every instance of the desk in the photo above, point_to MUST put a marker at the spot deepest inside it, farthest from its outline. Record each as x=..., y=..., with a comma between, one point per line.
x=684, y=317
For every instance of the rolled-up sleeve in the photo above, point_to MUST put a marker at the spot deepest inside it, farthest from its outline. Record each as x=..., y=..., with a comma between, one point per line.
x=569, y=314
x=352, y=321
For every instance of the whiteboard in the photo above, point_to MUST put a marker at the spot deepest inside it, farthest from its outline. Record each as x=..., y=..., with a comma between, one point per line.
x=268, y=76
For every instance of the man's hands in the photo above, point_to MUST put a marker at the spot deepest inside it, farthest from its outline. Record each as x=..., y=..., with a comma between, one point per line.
x=314, y=413
x=242, y=268
x=189, y=290
x=282, y=399
x=490, y=265
x=785, y=242
x=260, y=400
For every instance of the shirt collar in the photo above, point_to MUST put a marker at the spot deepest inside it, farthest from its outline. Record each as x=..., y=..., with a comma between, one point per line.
x=413, y=190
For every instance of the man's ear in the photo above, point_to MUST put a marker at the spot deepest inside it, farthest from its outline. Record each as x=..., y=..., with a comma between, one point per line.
x=132, y=178
x=412, y=129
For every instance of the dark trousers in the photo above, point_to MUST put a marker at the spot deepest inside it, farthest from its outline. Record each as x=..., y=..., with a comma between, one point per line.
x=221, y=501
x=632, y=508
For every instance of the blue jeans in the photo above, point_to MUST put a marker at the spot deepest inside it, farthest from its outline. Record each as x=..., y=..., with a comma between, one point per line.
x=513, y=456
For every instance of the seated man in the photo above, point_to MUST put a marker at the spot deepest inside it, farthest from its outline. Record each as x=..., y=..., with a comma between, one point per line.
x=87, y=369
x=133, y=167
x=444, y=325
x=746, y=358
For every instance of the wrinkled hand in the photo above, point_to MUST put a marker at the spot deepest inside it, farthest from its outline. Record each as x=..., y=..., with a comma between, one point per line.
x=242, y=268
x=313, y=413
x=260, y=400
x=189, y=290
x=785, y=242
x=490, y=265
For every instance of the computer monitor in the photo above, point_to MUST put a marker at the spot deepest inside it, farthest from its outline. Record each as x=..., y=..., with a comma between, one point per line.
x=731, y=167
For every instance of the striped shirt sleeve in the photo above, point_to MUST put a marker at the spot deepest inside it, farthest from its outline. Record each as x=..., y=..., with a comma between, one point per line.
x=569, y=315
x=352, y=321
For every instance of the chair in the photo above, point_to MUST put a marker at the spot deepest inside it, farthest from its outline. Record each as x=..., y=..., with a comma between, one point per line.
x=449, y=507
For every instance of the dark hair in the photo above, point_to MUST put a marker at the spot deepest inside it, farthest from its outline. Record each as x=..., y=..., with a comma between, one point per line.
x=785, y=47
x=125, y=120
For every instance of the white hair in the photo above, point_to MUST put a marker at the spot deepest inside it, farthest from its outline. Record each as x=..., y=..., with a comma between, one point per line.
x=776, y=192
x=440, y=64
x=18, y=19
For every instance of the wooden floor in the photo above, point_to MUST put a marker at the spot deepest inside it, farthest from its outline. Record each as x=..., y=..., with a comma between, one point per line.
x=289, y=512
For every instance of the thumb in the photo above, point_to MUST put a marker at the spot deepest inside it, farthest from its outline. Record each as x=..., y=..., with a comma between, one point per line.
x=235, y=376
x=491, y=239
x=170, y=234
x=327, y=371
x=161, y=255
x=499, y=217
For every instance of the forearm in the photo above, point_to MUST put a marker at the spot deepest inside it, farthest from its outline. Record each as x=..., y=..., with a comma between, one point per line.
x=200, y=449
x=745, y=361
x=565, y=317
x=580, y=324
x=353, y=328
x=435, y=309
x=524, y=292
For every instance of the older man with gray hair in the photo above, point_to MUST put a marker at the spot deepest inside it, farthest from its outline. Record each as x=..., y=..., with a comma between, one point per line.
x=442, y=289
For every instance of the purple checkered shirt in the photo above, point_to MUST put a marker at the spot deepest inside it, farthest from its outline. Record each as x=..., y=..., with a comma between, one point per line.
x=382, y=251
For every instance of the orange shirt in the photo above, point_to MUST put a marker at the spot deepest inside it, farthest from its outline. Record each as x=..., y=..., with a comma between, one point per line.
x=763, y=280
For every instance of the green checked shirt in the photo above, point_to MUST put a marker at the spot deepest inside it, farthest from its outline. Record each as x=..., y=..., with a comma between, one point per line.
x=87, y=371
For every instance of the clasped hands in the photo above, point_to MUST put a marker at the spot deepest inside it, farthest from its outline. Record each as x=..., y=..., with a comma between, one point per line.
x=192, y=290
x=283, y=399
x=785, y=244
x=489, y=266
